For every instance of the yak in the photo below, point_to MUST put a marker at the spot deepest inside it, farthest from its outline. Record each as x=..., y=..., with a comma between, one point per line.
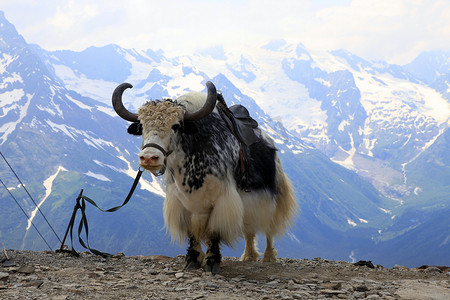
x=188, y=141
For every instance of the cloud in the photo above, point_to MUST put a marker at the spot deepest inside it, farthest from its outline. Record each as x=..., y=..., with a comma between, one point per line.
x=391, y=30
x=395, y=31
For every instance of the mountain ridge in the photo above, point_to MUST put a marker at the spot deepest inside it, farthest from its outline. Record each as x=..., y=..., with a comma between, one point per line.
x=338, y=207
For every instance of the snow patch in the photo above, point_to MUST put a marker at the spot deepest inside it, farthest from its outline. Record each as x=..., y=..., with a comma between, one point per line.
x=385, y=210
x=6, y=60
x=293, y=237
x=61, y=127
x=350, y=222
x=107, y=110
x=48, y=184
x=352, y=256
x=46, y=109
x=344, y=123
x=348, y=162
x=417, y=190
x=8, y=128
x=323, y=82
x=73, y=133
x=92, y=88
x=445, y=241
x=11, y=97
x=363, y=221
x=153, y=187
x=13, y=77
x=79, y=103
x=97, y=176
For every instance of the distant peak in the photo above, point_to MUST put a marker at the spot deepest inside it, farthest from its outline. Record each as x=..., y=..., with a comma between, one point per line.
x=8, y=33
x=216, y=52
x=275, y=45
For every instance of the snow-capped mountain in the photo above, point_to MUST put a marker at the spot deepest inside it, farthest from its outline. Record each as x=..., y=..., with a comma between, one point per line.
x=429, y=66
x=371, y=117
x=59, y=131
x=59, y=142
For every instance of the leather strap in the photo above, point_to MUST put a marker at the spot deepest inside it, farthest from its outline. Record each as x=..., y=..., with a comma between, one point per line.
x=81, y=205
x=153, y=145
x=164, y=152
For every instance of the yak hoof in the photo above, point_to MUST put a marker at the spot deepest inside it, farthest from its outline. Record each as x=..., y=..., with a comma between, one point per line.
x=192, y=265
x=213, y=269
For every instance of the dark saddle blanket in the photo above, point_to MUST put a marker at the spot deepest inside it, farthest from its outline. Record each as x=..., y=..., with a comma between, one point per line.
x=246, y=131
x=239, y=121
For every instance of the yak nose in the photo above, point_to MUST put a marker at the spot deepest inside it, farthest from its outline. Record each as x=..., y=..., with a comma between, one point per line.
x=149, y=159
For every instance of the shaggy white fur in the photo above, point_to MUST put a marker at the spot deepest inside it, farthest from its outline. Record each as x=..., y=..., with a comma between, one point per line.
x=218, y=207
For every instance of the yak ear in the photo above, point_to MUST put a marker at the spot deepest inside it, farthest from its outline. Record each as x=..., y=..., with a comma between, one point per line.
x=135, y=128
x=189, y=127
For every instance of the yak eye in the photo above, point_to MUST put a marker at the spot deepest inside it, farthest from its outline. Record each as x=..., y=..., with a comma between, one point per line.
x=176, y=126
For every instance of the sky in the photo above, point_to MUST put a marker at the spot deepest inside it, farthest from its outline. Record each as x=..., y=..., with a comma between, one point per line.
x=395, y=31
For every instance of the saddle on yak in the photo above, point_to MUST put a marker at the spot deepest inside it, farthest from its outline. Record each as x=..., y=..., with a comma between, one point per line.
x=246, y=131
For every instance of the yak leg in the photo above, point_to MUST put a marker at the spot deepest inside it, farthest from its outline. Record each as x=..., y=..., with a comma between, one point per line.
x=195, y=255
x=250, y=251
x=213, y=256
x=270, y=255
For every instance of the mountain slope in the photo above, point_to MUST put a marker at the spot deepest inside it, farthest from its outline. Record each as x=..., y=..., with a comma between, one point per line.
x=46, y=127
x=428, y=66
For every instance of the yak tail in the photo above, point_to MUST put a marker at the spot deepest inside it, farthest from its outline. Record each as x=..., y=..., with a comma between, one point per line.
x=286, y=205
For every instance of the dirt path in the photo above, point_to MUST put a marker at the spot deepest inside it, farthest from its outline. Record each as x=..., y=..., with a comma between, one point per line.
x=49, y=275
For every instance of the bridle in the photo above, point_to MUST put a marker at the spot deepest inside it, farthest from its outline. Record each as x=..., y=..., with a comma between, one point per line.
x=164, y=152
x=204, y=111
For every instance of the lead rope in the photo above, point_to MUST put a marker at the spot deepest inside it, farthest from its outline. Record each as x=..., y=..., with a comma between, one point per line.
x=81, y=205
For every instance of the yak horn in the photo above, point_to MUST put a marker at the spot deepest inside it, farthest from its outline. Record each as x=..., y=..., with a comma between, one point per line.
x=207, y=108
x=118, y=105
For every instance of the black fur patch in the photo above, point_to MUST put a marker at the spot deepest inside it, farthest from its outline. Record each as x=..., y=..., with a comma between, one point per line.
x=135, y=128
x=189, y=128
x=213, y=255
x=210, y=148
x=192, y=255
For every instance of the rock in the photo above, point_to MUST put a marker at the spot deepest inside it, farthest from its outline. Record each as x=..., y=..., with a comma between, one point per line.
x=332, y=292
x=365, y=263
x=359, y=295
x=153, y=272
x=401, y=268
x=293, y=286
x=119, y=255
x=34, y=283
x=4, y=276
x=443, y=269
x=301, y=295
x=62, y=276
x=159, y=258
x=361, y=288
x=26, y=270
x=9, y=263
x=433, y=270
x=331, y=285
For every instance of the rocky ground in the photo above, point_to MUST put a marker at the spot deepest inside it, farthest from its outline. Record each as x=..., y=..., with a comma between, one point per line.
x=50, y=275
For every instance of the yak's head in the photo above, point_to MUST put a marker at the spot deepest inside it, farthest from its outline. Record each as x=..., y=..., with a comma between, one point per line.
x=158, y=121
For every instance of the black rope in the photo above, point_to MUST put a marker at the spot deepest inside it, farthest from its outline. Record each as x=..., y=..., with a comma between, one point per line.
x=17, y=202
x=37, y=206
x=81, y=205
